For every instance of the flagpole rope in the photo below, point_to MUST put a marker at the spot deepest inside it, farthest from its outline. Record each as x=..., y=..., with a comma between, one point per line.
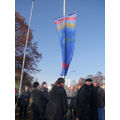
x=21, y=78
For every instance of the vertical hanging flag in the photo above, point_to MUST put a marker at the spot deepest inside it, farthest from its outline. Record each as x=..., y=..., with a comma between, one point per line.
x=66, y=31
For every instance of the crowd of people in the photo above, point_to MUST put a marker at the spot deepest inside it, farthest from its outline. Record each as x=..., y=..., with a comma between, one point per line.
x=85, y=103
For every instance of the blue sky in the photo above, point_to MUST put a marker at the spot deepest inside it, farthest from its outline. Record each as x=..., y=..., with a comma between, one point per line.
x=89, y=54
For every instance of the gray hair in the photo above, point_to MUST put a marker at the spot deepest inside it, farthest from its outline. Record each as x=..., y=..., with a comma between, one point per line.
x=81, y=80
x=97, y=81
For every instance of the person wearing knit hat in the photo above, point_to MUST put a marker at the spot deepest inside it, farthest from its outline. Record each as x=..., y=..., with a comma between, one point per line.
x=35, y=84
x=57, y=105
x=60, y=80
x=36, y=105
x=44, y=85
x=83, y=102
x=88, y=79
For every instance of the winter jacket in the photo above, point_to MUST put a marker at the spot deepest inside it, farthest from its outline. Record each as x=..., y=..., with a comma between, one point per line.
x=100, y=97
x=45, y=98
x=57, y=105
x=94, y=111
x=24, y=98
x=83, y=103
x=37, y=100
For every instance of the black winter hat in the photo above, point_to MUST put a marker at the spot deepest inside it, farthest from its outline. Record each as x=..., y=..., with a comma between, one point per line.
x=35, y=84
x=89, y=80
x=60, y=80
x=44, y=83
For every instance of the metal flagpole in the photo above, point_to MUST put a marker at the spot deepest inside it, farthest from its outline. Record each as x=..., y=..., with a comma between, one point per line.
x=64, y=8
x=21, y=78
x=64, y=16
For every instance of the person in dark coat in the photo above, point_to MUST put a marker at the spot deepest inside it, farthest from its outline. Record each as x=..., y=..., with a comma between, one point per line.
x=94, y=111
x=100, y=100
x=45, y=97
x=36, y=105
x=57, y=105
x=52, y=86
x=24, y=101
x=83, y=101
x=81, y=82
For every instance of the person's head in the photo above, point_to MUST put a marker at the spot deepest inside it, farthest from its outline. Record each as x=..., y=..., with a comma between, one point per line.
x=96, y=83
x=44, y=84
x=81, y=82
x=39, y=86
x=35, y=84
x=26, y=88
x=88, y=81
x=72, y=88
x=52, y=86
x=77, y=87
x=60, y=81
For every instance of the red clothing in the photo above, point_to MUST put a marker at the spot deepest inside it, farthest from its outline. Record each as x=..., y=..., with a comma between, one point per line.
x=15, y=91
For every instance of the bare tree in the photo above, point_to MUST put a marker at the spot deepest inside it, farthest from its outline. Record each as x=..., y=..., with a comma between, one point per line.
x=32, y=54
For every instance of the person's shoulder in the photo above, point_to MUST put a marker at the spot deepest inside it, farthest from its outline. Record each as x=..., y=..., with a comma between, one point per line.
x=29, y=92
x=36, y=91
x=80, y=90
x=54, y=88
x=61, y=89
x=95, y=89
x=83, y=88
x=101, y=89
x=33, y=91
x=45, y=89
